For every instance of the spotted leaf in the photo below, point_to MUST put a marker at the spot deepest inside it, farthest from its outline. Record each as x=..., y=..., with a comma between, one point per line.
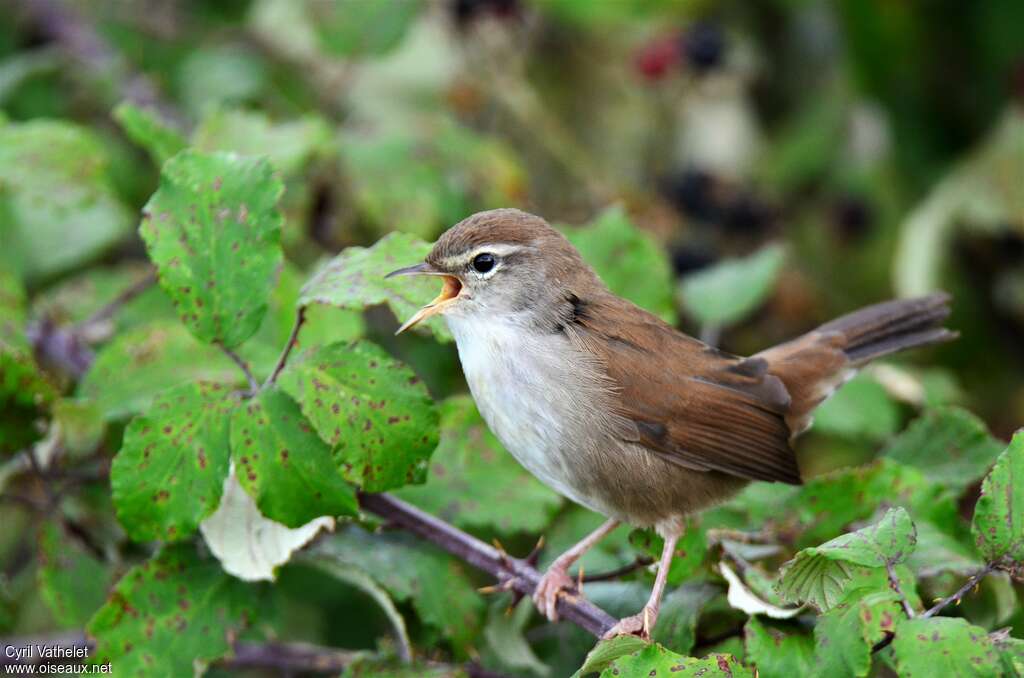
x=169, y=473
x=213, y=230
x=998, y=524
x=370, y=408
x=170, y=616
x=943, y=646
x=284, y=465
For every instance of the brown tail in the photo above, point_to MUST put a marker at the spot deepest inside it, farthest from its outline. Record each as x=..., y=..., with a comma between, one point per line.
x=814, y=365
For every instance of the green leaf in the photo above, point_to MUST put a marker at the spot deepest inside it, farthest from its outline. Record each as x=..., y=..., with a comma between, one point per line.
x=779, y=650
x=629, y=261
x=355, y=280
x=727, y=292
x=24, y=390
x=951, y=446
x=72, y=581
x=438, y=586
x=370, y=408
x=170, y=615
x=860, y=409
x=818, y=575
x=138, y=365
x=61, y=209
x=998, y=524
x=284, y=465
x=846, y=634
x=359, y=29
x=680, y=610
x=145, y=127
x=1011, y=654
x=504, y=633
x=289, y=145
x=213, y=230
x=169, y=473
x=474, y=483
x=656, y=660
x=607, y=651
x=689, y=553
x=943, y=646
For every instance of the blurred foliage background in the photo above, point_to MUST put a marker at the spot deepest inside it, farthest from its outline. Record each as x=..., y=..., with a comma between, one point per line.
x=747, y=170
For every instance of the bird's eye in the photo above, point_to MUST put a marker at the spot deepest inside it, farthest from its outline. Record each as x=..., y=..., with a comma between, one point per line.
x=483, y=262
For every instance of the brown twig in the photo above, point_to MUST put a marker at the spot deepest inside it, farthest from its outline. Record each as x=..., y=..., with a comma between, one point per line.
x=300, y=318
x=971, y=582
x=894, y=584
x=114, y=305
x=254, y=386
x=513, y=572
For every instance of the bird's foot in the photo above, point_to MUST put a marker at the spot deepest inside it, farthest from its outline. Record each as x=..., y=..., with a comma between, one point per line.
x=639, y=624
x=555, y=582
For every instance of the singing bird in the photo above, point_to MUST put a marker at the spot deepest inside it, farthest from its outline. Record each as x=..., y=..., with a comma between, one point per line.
x=617, y=410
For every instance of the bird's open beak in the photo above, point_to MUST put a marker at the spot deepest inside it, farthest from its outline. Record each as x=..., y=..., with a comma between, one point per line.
x=449, y=292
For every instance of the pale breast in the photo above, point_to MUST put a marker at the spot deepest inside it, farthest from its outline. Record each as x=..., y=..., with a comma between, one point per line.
x=531, y=391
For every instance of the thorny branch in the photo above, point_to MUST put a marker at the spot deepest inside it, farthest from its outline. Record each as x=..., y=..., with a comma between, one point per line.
x=894, y=584
x=513, y=573
x=971, y=582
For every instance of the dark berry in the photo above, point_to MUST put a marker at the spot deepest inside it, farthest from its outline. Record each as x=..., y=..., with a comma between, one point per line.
x=692, y=193
x=703, y=46
x=853, y=216
x=746, y=213
x=465, y=11
x=690, y=258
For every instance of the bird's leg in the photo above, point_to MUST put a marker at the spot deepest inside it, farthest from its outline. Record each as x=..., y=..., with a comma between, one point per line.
x=556, y=579
x=642, y=623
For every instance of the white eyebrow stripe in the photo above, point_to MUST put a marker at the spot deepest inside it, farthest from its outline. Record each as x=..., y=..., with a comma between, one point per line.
x=497, y=249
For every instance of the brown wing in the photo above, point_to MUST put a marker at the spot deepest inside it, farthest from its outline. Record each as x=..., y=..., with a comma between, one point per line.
x=701, y=408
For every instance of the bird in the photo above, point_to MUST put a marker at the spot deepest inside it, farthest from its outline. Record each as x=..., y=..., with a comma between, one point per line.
x=619, y=411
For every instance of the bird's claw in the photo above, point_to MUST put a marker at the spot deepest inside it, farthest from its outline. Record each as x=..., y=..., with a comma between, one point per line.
x=639, y=624
x=555, y=582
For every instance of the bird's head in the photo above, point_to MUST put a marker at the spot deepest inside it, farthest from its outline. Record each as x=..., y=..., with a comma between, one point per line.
x=502, y=262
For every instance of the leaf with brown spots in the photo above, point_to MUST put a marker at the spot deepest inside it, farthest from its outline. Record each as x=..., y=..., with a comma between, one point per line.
x=475, y=483
x=655, y=660
x=213, y=230
x=72, y=581
x=171, y=615
x=355, y=280
x=998, y=525
x=944, y=646
x=284, y=465
x=169, y=473
x=845, y=634
x=372, y=410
